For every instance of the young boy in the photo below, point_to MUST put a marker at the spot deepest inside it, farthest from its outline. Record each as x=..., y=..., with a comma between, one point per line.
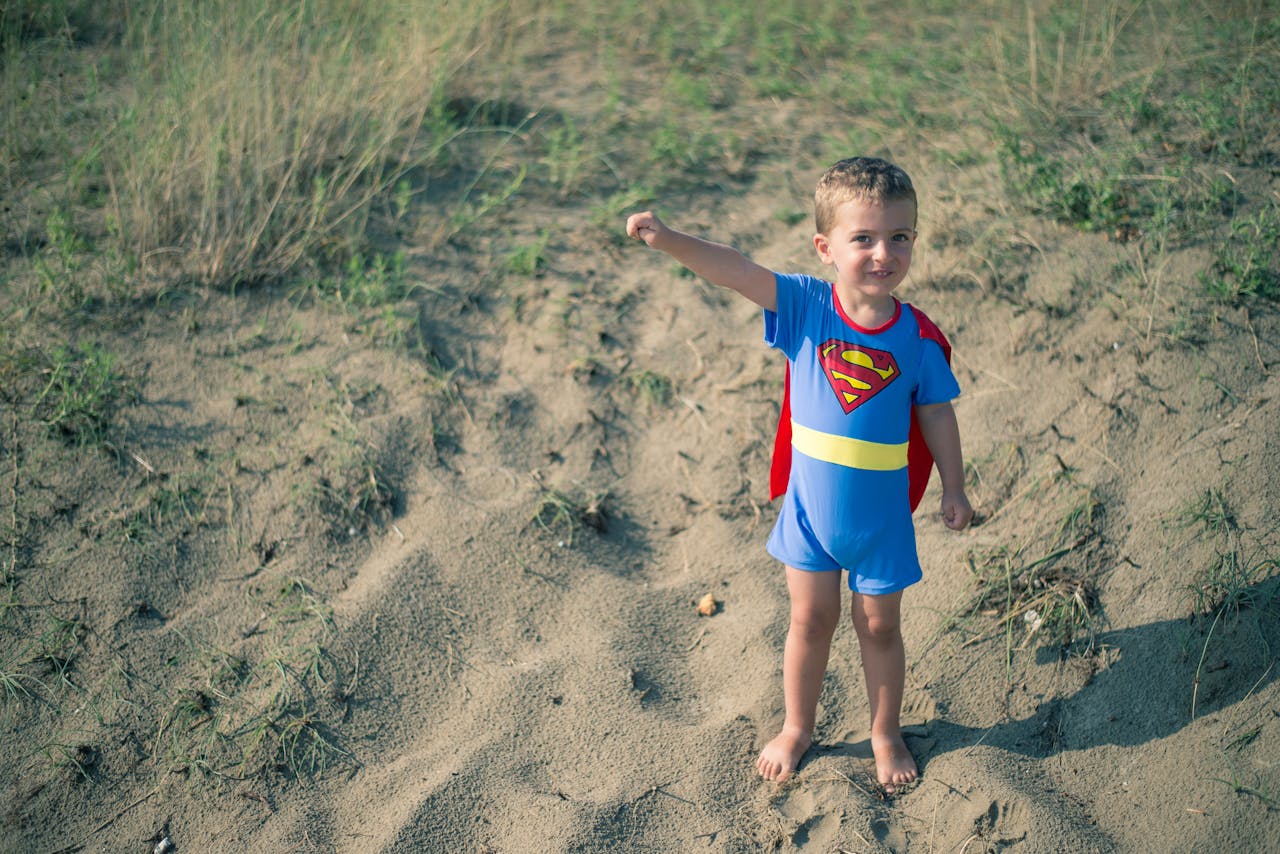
x=860, y=365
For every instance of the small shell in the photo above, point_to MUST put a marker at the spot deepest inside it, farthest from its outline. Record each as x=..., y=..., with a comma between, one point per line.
x=163, y=846
x=707, y=606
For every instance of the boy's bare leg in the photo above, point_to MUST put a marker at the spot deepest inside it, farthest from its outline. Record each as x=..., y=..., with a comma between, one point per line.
x=878, y=623
x=815, y=610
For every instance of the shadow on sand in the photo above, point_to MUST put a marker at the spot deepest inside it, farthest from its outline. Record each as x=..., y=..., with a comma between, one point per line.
x=1146, y=693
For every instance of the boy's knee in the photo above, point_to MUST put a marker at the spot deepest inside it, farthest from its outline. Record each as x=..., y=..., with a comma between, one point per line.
x=879, y=627
x=814, y=621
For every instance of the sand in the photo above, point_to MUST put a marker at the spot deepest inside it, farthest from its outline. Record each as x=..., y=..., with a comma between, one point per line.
x=508, y=650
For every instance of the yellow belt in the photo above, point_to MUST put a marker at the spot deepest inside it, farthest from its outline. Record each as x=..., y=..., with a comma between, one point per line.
x=843, y=451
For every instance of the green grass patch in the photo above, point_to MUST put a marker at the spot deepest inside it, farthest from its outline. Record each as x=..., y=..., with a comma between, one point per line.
x=351, y=490
x=268, y=709
x=528, y=259
x=258, y=137
x=41, y=650
x=563, y=514
x=81, y=389
x=1044, y=591
x=1247, y=262
x=653, y=389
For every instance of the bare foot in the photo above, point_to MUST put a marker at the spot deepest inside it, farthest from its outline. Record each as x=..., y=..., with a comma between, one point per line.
x=895, y=765
x=781, y=756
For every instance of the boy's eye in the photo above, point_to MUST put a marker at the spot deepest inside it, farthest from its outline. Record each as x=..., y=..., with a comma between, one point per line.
x=901, y=238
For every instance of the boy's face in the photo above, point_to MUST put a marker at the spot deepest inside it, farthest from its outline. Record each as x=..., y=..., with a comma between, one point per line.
x=870, y=245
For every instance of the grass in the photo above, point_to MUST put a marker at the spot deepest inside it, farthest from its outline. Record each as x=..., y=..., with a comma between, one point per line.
x=1264, y=792
x=1232, y=583
x=181, y=503
x=366, y=282
x=81, y=389
x=1208, y=513
x=376, y=293
x=1232, y=580
x=287, y=138
x=43, y=648
x=1043, y=590
x=528, y=259
x=201, y=168
x=268, y=711
x=1038, y=599
x=1245, y=261
x=562, y=514
x=654, y=390
x=360, y=495
x=1159, y=157
x=18, y=686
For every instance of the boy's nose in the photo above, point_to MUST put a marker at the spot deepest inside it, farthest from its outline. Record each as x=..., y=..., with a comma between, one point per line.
x=881, y=250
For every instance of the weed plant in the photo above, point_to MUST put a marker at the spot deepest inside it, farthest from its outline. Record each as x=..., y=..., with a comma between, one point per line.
x=653, y=389
x=1234, y=583
x=528, y=259
x=1247, y=263
x=261, y=138
x=81, y=394
x=562, y=514
x=268, y=711
x=1235, y=579
x=351, y=493
x=1043, y=590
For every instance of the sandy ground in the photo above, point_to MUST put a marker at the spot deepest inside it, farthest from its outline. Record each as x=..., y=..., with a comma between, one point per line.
x=510, y=655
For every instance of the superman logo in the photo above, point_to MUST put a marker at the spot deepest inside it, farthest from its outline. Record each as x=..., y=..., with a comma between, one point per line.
x=856, y=373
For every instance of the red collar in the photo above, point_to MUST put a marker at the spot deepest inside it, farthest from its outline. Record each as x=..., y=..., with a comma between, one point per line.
x=897, y=312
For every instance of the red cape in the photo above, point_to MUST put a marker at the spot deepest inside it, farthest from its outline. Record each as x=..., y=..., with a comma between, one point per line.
x=919, y=460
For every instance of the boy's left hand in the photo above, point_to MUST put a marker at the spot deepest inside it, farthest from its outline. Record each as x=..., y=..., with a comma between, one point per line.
x=956, y=511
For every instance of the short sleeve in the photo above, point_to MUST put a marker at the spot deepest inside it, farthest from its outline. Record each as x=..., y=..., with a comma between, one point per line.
x=782, y=328
x=937, y=383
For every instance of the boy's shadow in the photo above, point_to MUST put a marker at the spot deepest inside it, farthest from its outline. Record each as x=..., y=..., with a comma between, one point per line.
x=1146, y=693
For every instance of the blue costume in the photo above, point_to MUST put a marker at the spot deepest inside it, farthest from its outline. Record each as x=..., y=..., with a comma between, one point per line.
x=851, y=396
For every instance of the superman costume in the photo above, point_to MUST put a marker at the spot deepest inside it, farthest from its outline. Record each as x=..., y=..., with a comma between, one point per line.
x=848, y=444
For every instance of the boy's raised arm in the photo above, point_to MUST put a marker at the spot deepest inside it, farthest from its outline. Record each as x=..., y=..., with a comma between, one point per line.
x=718, y=264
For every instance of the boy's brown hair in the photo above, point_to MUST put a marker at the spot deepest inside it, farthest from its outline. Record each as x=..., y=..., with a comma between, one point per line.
x=864, y=179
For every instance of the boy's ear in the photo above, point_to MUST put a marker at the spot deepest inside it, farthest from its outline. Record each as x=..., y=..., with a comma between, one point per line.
x=823, y=246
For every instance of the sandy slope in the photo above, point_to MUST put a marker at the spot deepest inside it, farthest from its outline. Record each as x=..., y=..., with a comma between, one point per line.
x=509, y=686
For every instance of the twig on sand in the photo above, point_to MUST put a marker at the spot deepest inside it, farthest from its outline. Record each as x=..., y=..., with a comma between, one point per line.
x=696, y=409
x=140, y=800
x=864, y=839
x=855, y=784
x=1256, y=352
x=1012, y=385
x=151, y=469
x=1256, y=684
x=260, y=798
x=661, y=789
x=1195, y=685
x=932, y=779
x=979, y=741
